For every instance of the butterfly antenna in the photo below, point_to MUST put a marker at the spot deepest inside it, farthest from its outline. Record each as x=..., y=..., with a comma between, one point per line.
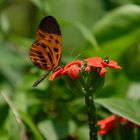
x=76, y=57
x=41, y=79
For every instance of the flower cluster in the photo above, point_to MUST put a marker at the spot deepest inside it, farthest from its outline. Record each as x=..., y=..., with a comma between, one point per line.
x=113, y=121
x=72, y=69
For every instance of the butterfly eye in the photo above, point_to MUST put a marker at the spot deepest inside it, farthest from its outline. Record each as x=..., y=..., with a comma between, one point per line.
x=106, y=60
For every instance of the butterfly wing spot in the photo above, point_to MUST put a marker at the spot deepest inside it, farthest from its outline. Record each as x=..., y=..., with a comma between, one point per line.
x=51, y=37
x=49, y=41
x=37, y=43
x=34, y=59
x=44, y=46
x=56, y=41
x=56, y=50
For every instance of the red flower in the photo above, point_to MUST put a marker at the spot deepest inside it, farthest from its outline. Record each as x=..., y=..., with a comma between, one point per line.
x=107, y=124
x=71, y=69
x=56, y=74
x=111, y=122
x=98, y=62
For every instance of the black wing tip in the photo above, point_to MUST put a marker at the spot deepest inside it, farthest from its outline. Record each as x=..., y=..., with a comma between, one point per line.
x=49, y=17
x=50, y=25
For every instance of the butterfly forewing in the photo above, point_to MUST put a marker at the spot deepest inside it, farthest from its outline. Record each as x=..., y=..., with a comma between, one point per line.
x=46, y=50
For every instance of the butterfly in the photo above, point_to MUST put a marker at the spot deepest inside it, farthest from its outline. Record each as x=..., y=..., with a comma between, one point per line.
x=46, y=51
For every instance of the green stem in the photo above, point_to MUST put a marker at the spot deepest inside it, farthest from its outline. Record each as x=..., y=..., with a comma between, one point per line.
x=91, y=117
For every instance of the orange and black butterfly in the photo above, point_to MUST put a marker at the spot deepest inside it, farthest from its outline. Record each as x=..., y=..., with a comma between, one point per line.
x=47, y=49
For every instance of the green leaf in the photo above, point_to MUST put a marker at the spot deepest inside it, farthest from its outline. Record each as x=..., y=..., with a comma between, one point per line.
x=42, y=5
x=123, y=107
x=23, y=42
x=118, y=23
x=26, y=118
x=48, y=130
x=4, y=22
x=134, y=90
x=57, y=129
x=117, y=30
x=87, y=34
x=12, y=123
x=11, y=63
x=82, y=133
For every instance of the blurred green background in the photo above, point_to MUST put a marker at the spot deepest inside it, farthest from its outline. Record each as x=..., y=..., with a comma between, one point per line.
x=89, y=28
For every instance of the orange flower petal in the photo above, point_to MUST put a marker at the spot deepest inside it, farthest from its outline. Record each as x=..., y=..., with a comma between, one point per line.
x=114, y=64
x=76, y=62
x=94, y=61
x=56, y=74
x=72, y=72
x=107, y=124
x=102, y=72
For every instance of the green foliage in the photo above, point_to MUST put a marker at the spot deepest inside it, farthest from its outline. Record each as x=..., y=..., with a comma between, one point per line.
x=118, y=106
x=89, y=28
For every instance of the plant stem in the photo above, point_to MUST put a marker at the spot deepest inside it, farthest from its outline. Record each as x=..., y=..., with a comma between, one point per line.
x=91, y=117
